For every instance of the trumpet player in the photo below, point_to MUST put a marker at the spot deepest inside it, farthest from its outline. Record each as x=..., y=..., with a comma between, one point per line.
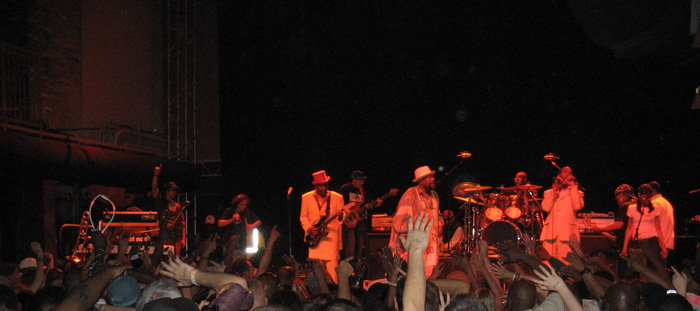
x=561, y=202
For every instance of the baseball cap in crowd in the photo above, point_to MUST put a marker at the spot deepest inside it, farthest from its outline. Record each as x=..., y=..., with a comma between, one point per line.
x=28, y=262
x=235, y=298
x=123, y=291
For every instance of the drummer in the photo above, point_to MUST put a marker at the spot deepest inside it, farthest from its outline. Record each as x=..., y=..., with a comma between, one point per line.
x=522, y=189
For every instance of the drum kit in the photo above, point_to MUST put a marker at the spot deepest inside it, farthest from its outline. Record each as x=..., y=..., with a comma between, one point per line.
x=501, y=216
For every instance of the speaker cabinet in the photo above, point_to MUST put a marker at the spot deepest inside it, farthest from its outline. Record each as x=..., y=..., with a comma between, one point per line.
x=375, y=241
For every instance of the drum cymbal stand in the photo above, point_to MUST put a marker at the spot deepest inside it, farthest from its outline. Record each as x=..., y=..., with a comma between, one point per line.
x=471, y=225
x=537, y=217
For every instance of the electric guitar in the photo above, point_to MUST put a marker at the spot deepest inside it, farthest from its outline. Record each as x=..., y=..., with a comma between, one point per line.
x=319, y=231
x=355, y=213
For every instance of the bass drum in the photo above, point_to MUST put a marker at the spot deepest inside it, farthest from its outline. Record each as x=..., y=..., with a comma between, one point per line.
x=501, y=232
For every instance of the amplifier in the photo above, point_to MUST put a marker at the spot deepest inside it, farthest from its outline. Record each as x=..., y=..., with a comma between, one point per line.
x=598, y=219
x=131, y=216
x=382, y=223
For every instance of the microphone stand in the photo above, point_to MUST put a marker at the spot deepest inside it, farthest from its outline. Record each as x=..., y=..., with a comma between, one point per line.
x=463, y=155
x=289, y=222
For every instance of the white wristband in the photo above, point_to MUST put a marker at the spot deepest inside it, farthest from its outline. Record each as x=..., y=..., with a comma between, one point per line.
x=192, y=278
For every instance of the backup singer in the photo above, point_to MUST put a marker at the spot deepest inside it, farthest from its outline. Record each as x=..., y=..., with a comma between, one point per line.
x=644, y=227
x=238, y=221
x=420, y=199
x=169, y=211
x=315, y=205
x=561, y=202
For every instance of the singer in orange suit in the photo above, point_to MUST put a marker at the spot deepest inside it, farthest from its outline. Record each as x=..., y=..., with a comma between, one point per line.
x=561, y=202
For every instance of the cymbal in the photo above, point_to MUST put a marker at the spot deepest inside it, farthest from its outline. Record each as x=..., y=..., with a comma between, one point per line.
x=461, y=190
x=469, y=200
x=502, y=188
x=527, y=186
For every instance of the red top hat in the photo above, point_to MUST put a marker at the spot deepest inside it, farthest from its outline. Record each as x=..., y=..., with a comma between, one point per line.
x=320, y=177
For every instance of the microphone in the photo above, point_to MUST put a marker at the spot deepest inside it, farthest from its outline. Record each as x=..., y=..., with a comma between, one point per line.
x=550, y=157
x=464, y=155
x=289, y=191
x=185, y=204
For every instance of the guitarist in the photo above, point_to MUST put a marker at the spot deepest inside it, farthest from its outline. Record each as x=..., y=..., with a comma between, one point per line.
x=317, y=206
x=354, y=237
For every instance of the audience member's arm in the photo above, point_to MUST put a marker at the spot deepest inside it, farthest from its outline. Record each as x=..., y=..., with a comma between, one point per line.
x=680, y=282
x=482, y=262
x=267, y=255
x=463, y=263
x=511, y=253
x=594, y=287
x=122, y=245
x=185, y=274
x=549, y=280
x=416, y=241
x=86, y=294
x=344, y=271
x=290, y=261
x=391, y=261
x=40, y=275
x=635, y=261
x=208, y=247
x=320, y=275
x=599, y=261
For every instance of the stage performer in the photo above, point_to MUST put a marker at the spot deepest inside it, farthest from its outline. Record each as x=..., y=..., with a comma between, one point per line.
x=169, y=211
x=238, y=221
x=624, y=195
x=419, y=199
x=354, y=235
x=668, y=221
x=318, y=207
x=561, y=202
x=644, y=228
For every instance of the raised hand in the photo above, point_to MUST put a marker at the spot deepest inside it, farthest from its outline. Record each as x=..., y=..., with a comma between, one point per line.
x=500, y=271
x=274, y=234
x=571, y=272
x=635, y=260
x=575, y=261
x=680, y=281
x=178, y=270
x=418, y=234
x=548, y=279
x=36, y=249
x=344, y=268
x=391, y=261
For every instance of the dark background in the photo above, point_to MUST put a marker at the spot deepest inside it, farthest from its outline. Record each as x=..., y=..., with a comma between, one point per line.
x=388, y=86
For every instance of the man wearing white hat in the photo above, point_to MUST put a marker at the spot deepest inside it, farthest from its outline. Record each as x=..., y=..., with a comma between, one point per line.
x=419, y=199
x=316, y=204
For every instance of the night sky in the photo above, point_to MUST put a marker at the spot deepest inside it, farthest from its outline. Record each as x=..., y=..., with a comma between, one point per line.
x=388, y=86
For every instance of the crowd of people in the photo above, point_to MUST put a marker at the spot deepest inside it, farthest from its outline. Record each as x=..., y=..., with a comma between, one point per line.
x=510, y=275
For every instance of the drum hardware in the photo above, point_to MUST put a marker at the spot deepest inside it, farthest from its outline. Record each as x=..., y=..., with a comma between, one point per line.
x=466, y=189
x=551, y=157
x=463, y=156
x=470, y=200
x=527, y=186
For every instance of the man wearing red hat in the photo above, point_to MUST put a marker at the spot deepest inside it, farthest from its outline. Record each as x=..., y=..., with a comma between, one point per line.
x=420, y=199
x=321, y=206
